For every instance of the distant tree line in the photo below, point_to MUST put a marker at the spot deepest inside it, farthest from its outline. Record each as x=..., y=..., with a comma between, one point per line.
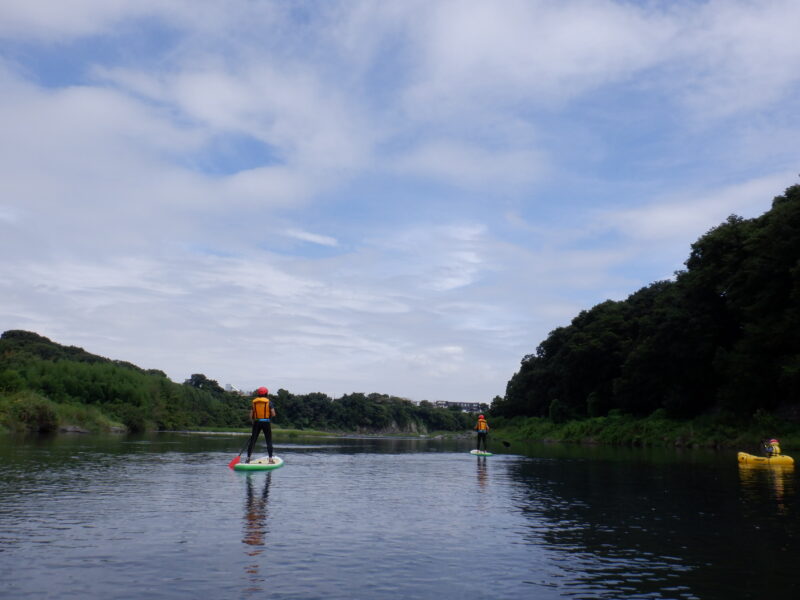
x=723, y=336
x=147, y=399
x=368, y=412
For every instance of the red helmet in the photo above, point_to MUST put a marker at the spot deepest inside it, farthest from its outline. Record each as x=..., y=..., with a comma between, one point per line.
x=480, y=416
x=773, y=441
x=262, y=391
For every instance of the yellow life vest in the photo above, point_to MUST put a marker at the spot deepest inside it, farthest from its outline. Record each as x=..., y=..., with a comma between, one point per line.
x=482, y=425
x=776, y=449
x=260, y=408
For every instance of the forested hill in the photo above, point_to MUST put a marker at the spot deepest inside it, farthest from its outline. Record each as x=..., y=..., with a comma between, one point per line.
x=722, y=337
x=41, y=372
x=43, y=384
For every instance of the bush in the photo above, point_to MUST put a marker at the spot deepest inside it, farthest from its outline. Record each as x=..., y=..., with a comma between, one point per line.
x=559, y=413
x=134, y=418
x=31, y=412
x=11, y=381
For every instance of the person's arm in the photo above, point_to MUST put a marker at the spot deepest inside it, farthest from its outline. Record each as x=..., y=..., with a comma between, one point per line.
x=272, y=412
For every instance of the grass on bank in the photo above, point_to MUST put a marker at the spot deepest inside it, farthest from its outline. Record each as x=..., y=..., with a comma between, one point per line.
x=31, y=412
x=712, y=431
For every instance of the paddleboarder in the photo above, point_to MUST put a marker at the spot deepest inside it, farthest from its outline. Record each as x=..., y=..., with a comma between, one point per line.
x=261, y=413
x=482, y=427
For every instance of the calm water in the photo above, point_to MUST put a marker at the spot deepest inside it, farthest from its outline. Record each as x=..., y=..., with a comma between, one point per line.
x=163, y=517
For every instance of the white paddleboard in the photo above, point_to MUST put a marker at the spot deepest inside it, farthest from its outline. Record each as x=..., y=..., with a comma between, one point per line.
x=260, y=464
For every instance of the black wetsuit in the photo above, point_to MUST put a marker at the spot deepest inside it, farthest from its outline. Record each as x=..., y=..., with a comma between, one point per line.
x=260, y=425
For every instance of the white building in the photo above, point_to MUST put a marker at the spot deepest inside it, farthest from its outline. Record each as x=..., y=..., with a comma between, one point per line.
x=470, y=407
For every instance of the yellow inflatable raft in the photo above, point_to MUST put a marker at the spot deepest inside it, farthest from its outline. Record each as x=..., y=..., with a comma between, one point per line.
x=752, y=459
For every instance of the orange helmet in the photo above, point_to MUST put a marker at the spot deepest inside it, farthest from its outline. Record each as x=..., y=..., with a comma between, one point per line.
x=262, y=391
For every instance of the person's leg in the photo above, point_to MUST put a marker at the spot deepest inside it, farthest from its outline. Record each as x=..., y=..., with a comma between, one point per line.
x=268, y=436
x=252, y=442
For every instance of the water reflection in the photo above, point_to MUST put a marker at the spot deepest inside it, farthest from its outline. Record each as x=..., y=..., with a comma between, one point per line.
x=618, y=531
x=767, y=487
x=255, y=528
x=483, y=474
x=652, y=529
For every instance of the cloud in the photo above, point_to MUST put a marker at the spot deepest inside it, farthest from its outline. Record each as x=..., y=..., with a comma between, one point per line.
x=314, y=238
x=434, y=258
x=9, y=214
x=537, y=51
x=737, y=56
x=19, y=19
x=688, y=215
x=472, y=166
x=443, y=361
x=63, y=23
x=287, y=106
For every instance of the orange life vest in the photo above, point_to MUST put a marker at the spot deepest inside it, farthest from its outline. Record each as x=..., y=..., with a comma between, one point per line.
x=260, y=408
x=482, y=425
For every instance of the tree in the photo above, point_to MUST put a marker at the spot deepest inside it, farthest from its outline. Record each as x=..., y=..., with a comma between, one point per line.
x=724, y=334
x=201, y=382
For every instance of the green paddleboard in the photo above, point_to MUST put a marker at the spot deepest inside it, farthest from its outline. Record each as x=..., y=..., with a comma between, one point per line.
x=480, y=453
x=260, y=464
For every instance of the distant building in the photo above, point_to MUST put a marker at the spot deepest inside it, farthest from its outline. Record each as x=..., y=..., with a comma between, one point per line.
x=470, y=407
x=233, y=388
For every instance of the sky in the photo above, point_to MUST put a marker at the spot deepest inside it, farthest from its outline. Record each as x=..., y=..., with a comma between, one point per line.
x=372, y=196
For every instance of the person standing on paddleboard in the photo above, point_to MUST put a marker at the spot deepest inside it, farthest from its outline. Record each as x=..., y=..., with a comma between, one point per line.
x=482, y=427
x=261, y=413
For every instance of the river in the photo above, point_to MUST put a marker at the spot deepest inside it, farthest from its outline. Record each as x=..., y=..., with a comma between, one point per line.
x=160, y=516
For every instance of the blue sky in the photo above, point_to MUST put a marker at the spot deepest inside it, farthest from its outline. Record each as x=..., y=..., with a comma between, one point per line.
x=399, y=197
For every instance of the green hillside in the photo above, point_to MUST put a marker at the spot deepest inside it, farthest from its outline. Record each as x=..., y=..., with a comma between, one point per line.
x=65, y=380
x=45, y=386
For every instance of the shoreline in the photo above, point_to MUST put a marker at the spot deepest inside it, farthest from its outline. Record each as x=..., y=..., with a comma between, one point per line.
x=615, y=430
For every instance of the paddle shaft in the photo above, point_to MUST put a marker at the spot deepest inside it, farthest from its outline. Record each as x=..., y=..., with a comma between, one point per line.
x=236, y=460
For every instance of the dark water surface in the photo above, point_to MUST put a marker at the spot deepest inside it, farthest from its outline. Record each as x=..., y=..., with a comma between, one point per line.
x=161, y=516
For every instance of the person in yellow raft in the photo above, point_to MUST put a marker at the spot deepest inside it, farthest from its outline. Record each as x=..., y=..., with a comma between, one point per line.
x=772, y=448
x=261, y=413
x=482, y=427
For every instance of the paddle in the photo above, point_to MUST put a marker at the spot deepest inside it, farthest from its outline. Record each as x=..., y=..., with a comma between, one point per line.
x=236, y=460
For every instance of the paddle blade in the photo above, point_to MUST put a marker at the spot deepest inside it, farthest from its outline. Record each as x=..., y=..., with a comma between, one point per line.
x=234, y=462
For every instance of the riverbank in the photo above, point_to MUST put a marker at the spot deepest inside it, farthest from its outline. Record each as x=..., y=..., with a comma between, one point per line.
x=655, y=430
x=281, y=433
x=31, y=412
x=277, y=432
